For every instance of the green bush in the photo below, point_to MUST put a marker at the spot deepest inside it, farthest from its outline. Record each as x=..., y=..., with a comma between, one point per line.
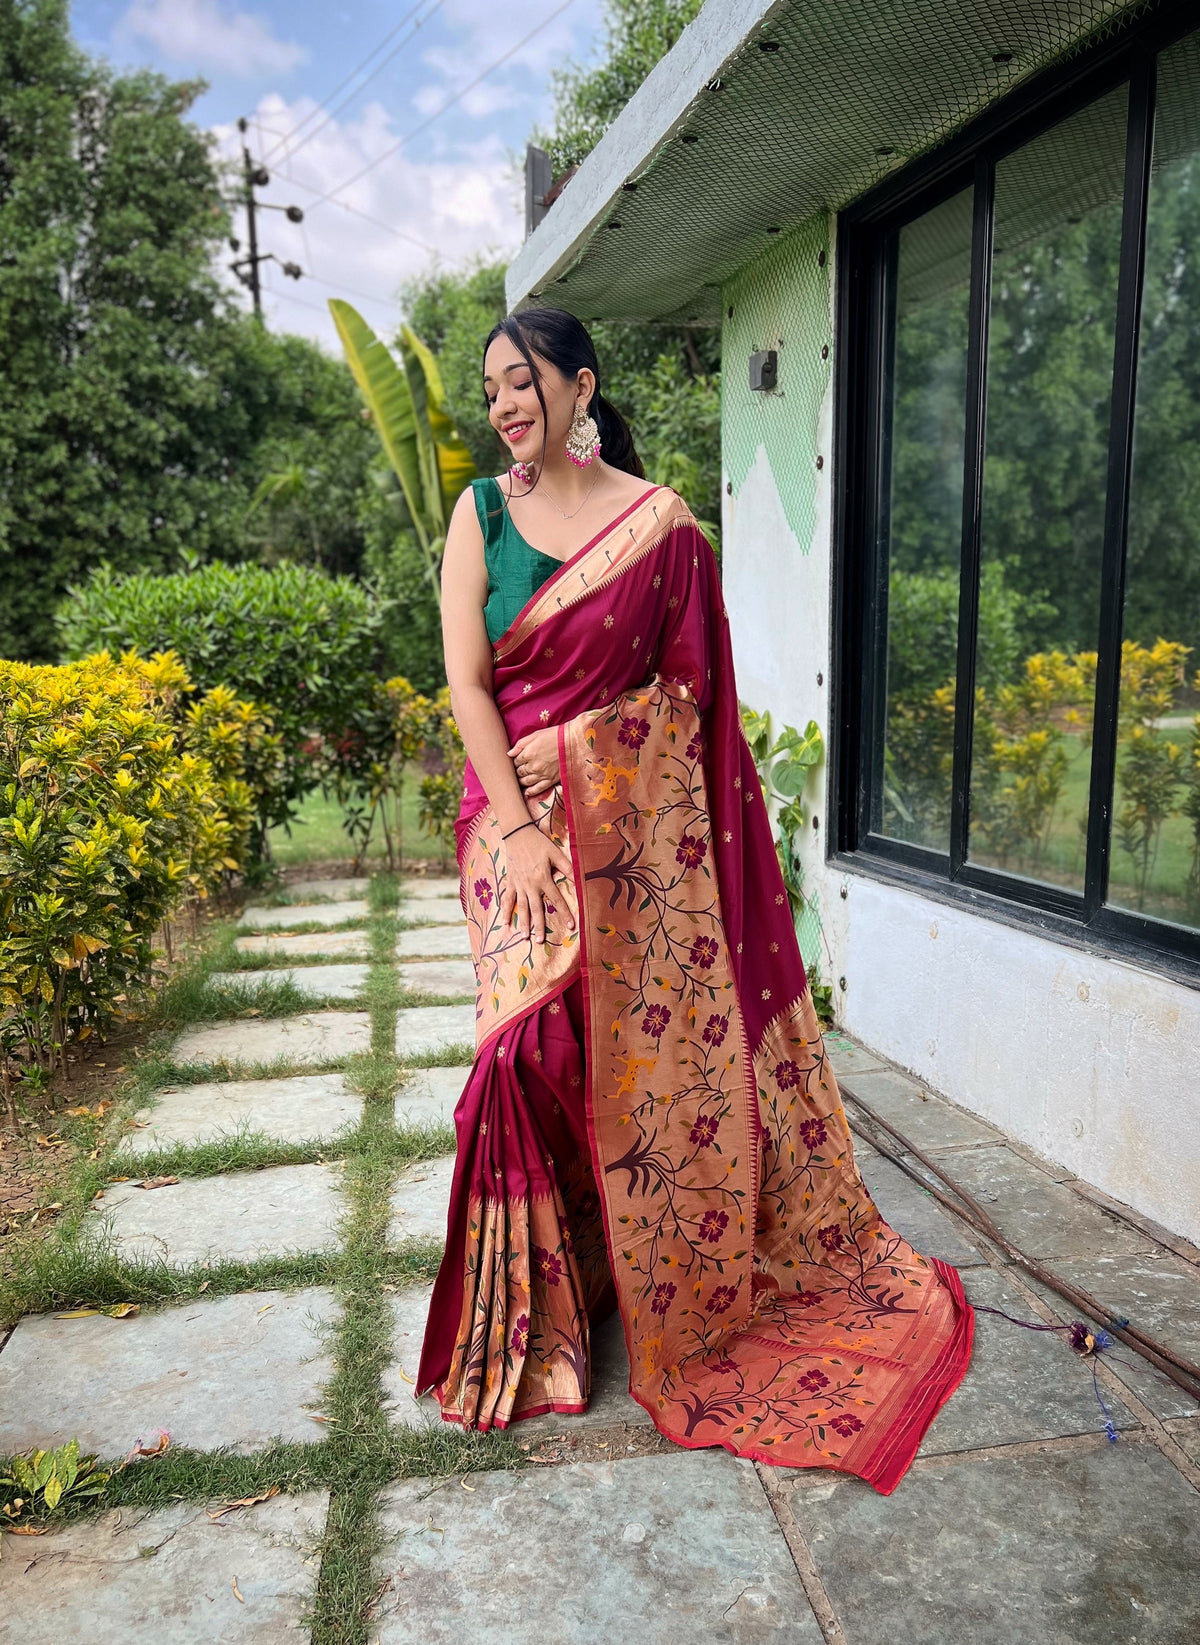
x=303, y=645
x=109, y=819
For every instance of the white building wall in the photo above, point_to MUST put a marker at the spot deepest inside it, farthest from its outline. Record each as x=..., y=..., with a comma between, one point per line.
x=1093, y=1062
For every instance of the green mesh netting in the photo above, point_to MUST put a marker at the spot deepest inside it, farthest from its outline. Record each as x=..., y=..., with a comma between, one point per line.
x=856, y=89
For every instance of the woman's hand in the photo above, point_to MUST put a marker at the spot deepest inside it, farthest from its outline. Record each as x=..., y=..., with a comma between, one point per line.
x=532, y=862
x=536, y=759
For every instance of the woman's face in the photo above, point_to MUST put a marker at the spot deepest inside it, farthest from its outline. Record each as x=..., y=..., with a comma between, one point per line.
x=513, y=407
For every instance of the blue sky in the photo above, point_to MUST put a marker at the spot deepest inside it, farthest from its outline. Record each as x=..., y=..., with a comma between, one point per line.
x=446, y=193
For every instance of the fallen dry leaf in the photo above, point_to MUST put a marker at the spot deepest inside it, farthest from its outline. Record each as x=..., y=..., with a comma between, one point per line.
x=78, y=1313
x=159, y=1448
x=237, y=1592
x=465, y=1486
x=157, y=1182
x=412, y=1381
x=118, y=1179
x=265, y=1307
x=246, y=1502
x=205, y=1286
x=122, y=1310
x=26, y=1530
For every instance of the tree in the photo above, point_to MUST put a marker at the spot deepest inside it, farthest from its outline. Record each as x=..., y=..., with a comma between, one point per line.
x=138, y=408
x=588, y=99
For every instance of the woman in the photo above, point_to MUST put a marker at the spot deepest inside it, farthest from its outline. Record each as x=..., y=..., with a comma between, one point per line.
x=651, y=1112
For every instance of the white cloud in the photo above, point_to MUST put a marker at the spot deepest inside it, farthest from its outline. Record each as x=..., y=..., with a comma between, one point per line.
x=202, y=34
x=463, y=204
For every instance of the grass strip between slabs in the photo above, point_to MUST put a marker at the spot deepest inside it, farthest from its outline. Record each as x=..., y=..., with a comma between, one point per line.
x=361, y=1450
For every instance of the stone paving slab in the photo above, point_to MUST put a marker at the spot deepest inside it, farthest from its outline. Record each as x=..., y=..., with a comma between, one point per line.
x=236, y=1371
x=428, y=940
x=167, y=1576
x=1161, y=1296
x=1021, y=1385
x=335, y=944
x=305, y=1108
x=850, y=1059
x=235, y=1217
x=315, y=1037
x=926, y=1119
x=449, y=977
x=1077, y=1547
x=410, y=1311
x=1187, y=1431
x=1043, y=1217
x=322, y=982
x=907, y=1208
x=661, y=1550
x=423, y=1030
x=431, y=911
x=433, y=885
x=260, y=918
x=429, y=1096
x=339, y=890
x=421, y=1200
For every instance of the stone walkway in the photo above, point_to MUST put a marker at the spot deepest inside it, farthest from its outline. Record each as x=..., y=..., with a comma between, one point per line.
x=1019, y=1520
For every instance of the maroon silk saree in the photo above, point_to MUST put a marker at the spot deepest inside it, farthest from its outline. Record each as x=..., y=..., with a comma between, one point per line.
x=651, y=1111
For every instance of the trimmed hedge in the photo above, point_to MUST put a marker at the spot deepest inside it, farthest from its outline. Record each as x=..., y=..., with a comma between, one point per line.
x=302, y=644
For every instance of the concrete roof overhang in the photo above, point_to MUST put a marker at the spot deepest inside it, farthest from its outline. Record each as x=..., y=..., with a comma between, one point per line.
x=764, y=113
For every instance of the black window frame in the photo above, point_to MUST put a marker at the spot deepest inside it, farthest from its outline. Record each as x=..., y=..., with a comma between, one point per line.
x=1126, y=56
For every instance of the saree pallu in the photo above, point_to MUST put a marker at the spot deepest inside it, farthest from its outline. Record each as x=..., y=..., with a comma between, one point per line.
x=651, y=1112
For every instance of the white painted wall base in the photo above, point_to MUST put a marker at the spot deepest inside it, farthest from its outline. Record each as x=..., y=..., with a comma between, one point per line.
x=1088, y=1060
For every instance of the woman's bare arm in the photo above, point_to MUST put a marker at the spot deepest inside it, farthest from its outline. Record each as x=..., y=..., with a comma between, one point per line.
x=532, y=859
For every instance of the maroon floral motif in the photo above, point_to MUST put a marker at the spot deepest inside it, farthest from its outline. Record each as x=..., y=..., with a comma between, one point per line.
x=565, y=1235
x=845, y=1423
x=484, y=892
x=633, y=733
x=662, y=1298
x=812, y=1133
x=713, y=1224
x=726, y=1365
x=704, y=953
x=831, y=1237
x=768, y=1142
x=695, y=748
x=550, y=908
x=722, y=1299
x=787, y=1074
x=547, y=1265
x=520, y=1336
x=691, y=852
x=655, y=1021
x=806, y=1299
x=715, y=1030
x=813, y=1381
x=704, y=1132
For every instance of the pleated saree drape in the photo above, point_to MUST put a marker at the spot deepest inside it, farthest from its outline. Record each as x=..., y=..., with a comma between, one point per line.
x=651, y=1114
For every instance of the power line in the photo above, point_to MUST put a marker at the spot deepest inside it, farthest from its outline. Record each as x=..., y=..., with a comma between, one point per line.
x=358, y=68
x=448, y=104
x=340, y=285
x=294, y=182
x=363, y=84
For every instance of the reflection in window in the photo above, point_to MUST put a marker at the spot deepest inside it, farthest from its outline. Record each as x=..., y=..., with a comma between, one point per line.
x=1056, y=252
x=929, y=362
x=1155, y=859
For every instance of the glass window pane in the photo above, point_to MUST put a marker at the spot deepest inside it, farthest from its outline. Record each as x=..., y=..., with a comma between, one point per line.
x=923, y=494
x=1155, y=862
x=1056, y=251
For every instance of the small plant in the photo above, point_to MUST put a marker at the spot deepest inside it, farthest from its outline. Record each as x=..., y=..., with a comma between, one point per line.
x=1150, y=767
x=784, y=764
x=34, y=1483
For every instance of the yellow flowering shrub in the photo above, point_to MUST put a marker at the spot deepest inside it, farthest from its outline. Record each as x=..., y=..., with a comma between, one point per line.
x=118, y=801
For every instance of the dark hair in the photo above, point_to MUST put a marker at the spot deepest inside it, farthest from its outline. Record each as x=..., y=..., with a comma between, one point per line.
x=564, y=341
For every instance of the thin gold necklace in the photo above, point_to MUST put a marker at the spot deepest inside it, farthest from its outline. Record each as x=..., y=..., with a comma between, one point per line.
x=582, y=505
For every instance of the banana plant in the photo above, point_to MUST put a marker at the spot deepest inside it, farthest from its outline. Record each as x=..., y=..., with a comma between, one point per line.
x=408, y=405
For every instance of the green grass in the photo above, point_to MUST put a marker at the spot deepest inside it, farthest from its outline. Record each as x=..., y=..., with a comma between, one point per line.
x=317, y=834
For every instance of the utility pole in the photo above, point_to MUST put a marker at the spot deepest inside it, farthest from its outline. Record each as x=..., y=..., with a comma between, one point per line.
x=247, y=268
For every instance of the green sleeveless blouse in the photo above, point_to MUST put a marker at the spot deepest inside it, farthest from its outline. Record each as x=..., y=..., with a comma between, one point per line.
x=515, y=570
